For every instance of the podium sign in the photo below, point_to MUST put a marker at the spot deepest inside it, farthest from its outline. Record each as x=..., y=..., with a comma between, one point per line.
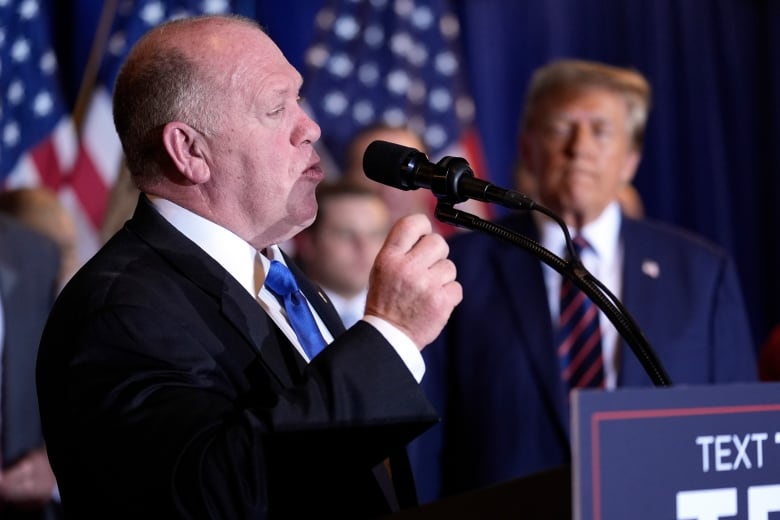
x=685, y=453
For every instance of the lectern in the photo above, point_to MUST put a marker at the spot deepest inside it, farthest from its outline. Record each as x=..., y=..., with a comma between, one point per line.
x=684, y=453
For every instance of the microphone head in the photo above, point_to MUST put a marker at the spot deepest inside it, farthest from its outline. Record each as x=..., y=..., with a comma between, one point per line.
x=391, y=164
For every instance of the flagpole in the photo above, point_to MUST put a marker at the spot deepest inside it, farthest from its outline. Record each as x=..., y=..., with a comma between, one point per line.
x=93, y=64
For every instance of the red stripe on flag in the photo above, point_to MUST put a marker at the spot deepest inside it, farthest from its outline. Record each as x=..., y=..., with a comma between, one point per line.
x=46, y=161
x=472, y=144
x=89, y=188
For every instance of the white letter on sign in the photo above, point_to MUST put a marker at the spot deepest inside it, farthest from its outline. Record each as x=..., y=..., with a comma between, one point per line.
x=763, y=500
x=706, y=504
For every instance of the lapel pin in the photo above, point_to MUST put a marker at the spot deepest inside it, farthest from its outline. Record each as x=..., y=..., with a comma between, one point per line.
x=651, y=268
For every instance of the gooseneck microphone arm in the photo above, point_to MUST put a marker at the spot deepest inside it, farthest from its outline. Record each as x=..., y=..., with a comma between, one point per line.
x=574, y=270
x=453, y=181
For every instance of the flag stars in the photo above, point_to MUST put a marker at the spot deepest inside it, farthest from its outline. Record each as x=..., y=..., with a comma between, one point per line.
x=335, y=103
x=117, y=43
x=394, y=116
x=15, y=93
x=363, y=112
x=440, y=99
x=404, y=71
x=48, y=62
x=28, y=9
x=368, y=74
x=435, y=136
x=178, y=14
x=20, y=50
x=418, y=55
x=346, y=28
x=340, y=65
x=401, y=44
x=11, y=134
x=422, y=18
x=446, y=63
x=2, y=36
x=214, y=6
x=398, y=82
x=152, y=13
x=374, y=36
x=43, y=104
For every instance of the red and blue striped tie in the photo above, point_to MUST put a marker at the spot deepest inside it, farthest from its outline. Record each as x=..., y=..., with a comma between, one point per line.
x=579, y=335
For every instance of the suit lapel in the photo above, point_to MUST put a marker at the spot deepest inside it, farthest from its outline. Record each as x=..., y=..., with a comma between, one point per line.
x=641, y=270
x=521, y=272
x=237, y=306
x=318, y=299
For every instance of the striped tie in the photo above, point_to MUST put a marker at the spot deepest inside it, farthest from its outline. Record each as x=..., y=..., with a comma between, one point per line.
x=579, y=335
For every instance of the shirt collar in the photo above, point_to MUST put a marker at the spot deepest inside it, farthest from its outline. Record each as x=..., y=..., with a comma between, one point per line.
x=603, y=234
x=229, y=250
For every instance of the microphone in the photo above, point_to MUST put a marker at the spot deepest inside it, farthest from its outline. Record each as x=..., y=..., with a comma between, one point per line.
x=451, y=178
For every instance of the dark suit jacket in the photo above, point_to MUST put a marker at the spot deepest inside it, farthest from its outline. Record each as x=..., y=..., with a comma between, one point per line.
x=494, y=375
x=166, y=392
x=29, y=265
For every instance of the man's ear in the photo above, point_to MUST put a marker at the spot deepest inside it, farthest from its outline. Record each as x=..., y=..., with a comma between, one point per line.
x=187, y=150
x=630, y=166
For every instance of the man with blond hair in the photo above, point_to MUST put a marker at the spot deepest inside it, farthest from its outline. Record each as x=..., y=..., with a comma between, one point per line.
x=502, y=369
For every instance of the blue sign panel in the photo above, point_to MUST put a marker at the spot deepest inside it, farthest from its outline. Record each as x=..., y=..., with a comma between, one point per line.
x=685, y=453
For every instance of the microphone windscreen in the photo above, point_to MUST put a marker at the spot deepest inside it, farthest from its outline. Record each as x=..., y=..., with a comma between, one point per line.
x=387, y=163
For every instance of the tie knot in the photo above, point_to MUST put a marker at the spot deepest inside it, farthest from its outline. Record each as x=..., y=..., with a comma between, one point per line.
x=280, y=280
x=580, y=244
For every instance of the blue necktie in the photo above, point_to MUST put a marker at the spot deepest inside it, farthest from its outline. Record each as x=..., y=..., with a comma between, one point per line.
x=281, y=282
x=579, y=334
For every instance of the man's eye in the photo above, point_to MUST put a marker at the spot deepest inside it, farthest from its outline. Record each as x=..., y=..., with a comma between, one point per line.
x=558, y=129
x=602, y=131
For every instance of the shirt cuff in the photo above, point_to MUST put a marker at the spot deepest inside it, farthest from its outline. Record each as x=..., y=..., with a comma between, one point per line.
x=402, y=344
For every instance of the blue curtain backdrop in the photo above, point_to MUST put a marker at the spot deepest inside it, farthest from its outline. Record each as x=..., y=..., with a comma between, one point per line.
x=711, y=162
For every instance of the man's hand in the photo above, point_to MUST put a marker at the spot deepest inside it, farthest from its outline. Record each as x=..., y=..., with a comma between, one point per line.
x=412, y=284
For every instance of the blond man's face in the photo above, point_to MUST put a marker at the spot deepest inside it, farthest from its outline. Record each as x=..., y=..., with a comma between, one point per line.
x=579, y=151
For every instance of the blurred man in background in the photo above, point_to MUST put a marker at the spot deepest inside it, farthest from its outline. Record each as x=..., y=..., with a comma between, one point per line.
x=502, y=369
x=399, y=203
x=338, y=250
x=39, y=209
x=29, y=269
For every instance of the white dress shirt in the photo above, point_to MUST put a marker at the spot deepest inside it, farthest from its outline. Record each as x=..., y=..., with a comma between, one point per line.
x=604, y=260
x=350, y=309
x=248, y=267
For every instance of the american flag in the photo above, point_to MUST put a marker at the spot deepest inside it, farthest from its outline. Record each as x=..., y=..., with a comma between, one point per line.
x=396, y=62
x=37, y=139
x=100, y=154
